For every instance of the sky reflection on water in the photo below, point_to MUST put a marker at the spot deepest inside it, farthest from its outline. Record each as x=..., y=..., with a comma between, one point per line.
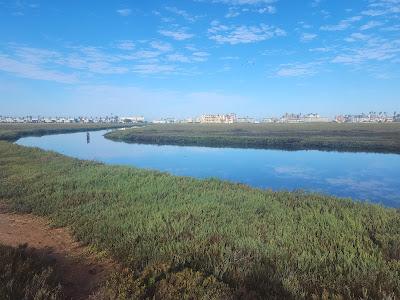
x=364, y=176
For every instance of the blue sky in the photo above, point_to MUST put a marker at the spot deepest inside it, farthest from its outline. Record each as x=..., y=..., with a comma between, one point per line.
x=183, y=58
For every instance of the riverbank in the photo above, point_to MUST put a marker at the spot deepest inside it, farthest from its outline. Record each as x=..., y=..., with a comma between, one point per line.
x=208, y=238
x=11, y=132
x=382, y=138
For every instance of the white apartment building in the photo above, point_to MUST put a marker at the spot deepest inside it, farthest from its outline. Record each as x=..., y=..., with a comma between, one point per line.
x=218, y=119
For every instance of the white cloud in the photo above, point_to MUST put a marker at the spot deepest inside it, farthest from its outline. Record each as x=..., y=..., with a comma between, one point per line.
x=184, y=14
x=315, y=3
x=145, y=54
x=370, y=25
x=244, y=2
x=354, y=37
x=124, y=12
x=307, y=37
x=161, y=46
x=377, y=50
x=147, y=69
x=382, y=7
x=242, y=34
x=86, y=61
x=267, y=10
x=342, y=25
x=176, y=57
x=230, y=57
x=321, y=49
x=232, y=13
x=296, y=70
x=34, y=71
x=201, y=54
x=126, y=45
x=178, y=34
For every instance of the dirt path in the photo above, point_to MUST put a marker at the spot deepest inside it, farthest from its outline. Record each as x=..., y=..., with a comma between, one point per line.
x=82, y=273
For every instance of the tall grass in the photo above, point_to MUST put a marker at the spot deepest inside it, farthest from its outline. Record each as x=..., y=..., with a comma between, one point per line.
x=321, y=136
x=183, y=237
x=26, y=274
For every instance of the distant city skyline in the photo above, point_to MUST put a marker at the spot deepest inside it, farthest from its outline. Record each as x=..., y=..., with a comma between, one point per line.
x=183, y=58
x=230, y=118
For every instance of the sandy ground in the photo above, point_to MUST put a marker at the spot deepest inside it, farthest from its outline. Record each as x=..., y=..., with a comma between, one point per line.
x=82, y=272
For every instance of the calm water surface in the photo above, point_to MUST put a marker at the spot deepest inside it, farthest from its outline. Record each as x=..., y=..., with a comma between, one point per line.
x=364, y=176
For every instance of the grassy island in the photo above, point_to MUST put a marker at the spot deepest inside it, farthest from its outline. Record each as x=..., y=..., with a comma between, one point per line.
x=184, y=238
x=384, y=138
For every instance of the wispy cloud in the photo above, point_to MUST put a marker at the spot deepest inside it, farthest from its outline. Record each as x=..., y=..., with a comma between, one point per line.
x=296, y=70
x=370, y=25
x=244, y=2
x=382, y=7
x=354, y=37
x=34, y=71
x=183, y=13
x=242, y=34
x=375, y=50
x=161, y=46
x=307, y=37
x=177, y=57
x=124, y=12
x=342, y=25
x=235, y=11
x=75, y=63
x=178, y=34
x=125, y=45
x=147, y=69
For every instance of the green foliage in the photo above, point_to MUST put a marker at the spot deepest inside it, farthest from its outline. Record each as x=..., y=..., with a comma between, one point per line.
x=214, y=237
x=160, y=281
x=27, y=275
x=320, y=136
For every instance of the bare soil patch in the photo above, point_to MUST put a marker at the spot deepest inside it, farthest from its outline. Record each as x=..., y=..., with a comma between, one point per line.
x=82, y=272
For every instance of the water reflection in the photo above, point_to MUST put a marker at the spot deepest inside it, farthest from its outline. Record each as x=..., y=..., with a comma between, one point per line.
x=364, y=176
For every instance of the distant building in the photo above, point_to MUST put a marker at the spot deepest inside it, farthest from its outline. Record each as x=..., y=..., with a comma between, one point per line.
x=269, y=120
x=299, y=118
x=135, y=119
x=245, y=120
x=218, y=119
x=314, y=118
x=159, y=122
x=291, y=118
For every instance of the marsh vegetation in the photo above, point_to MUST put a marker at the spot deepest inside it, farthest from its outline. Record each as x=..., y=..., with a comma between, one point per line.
x=384, y=138
x=12, y=132
x=25, y=273
x=186, y=238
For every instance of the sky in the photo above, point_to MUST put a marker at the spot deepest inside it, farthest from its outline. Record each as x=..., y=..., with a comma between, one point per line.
x=183, y=58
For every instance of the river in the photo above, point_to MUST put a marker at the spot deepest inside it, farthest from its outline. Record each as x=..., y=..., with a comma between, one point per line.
x=370, y=177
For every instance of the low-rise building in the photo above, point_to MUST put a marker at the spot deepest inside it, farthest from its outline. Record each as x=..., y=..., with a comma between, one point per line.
x=134, y=119
x=218, y=119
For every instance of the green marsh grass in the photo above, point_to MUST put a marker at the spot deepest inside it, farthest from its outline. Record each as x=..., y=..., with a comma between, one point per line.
x=196, y=239
x=383, y=138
